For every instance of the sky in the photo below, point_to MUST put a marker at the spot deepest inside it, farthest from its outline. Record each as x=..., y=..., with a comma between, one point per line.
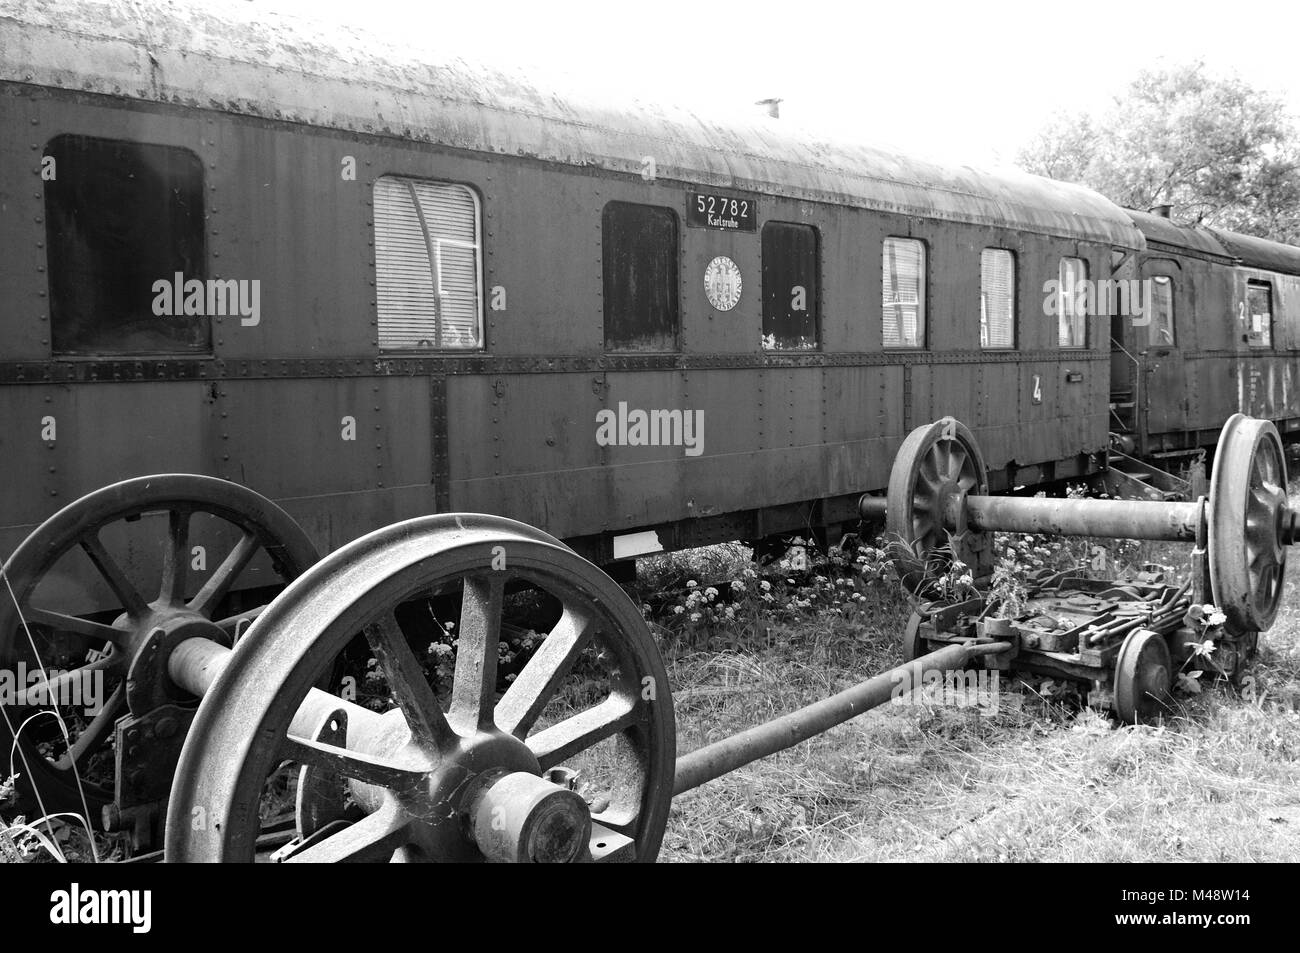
x=965, y=83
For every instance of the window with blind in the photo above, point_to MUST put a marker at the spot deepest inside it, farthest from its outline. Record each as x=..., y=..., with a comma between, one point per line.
x=790, y=292
x=1071, y=301
x=428, y=265
x=639, y=274
x=1259, y=314
x=1160, y=312
x=119, y=217
x=997, y=298
x=903, y=292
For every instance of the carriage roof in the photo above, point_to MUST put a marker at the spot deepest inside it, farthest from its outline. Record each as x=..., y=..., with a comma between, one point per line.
x=1261, y=252
x=241, y=60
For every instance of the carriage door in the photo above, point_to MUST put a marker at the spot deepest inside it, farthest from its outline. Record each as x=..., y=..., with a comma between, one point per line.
x=1123, y=373
x=1156, y=335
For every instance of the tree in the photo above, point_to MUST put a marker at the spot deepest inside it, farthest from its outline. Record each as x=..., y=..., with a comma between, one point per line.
x=1218, y=150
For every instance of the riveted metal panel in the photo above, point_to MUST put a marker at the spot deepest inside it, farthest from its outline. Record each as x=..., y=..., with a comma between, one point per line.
x=283, y=214
x=645, y=481
x=792, y=464
x=997, y=420
x=543, y=297
x=1075, y=404
x=524, y=446
x=723, y=477
x=80, y=459
x=864, y=426
x=24, y=285
x=1039, y=403
x=327, y=441
x=1215, y=379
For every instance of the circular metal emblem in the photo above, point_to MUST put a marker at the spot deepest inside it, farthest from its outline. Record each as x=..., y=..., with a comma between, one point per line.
x=722, y=283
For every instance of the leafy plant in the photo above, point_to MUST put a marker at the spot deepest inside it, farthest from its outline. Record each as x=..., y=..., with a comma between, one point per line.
x=1008, y=593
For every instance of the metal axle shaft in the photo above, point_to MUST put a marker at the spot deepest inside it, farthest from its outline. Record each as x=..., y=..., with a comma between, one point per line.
x=1120, y=519
x=722, y=757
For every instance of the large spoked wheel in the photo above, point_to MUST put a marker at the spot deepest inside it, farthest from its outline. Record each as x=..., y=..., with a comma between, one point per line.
x=1248, y=503
x=937, y=466
x=114, y=540
x=574, y=760
x=1143, y=677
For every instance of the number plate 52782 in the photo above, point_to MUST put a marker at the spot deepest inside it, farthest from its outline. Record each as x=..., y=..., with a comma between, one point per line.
x=728, y=213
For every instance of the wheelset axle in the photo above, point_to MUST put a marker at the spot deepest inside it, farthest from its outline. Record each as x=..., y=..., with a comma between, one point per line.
x=936, y=498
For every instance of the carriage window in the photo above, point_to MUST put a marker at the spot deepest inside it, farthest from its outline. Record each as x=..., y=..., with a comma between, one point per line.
x=639, y=252
x=427, y=265
x=1160, y=313
x=997, y=298
x=1259, y=314
x=121, y=218
x=903, y=286
x=1071, y=301
x=790, y=286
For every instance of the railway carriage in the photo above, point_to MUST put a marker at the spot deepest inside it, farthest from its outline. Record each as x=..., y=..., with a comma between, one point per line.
x=1265, y=320
x=1220, y=338
x=373, y=288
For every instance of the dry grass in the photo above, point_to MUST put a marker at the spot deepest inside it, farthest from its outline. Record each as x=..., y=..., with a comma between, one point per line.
x=1219, y=781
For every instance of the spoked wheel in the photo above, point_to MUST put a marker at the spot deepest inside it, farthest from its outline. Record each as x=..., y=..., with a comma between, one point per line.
x=95, y=553
x=1248, y=503
x=574, y=761
x=1143, y=677
x=937, y=466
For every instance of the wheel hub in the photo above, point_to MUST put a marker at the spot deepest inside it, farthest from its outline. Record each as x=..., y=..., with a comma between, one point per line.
x=483, y=799
x=153, y=639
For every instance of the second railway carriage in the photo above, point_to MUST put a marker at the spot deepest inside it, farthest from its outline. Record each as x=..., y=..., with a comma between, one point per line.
x=1264, y=317
x=373, y=287
x=1221, y=336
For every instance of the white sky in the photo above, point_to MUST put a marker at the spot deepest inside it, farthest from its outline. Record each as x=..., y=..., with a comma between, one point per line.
x=962, y=82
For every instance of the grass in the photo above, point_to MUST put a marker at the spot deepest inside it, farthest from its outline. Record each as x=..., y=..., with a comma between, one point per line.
x=1217, y=781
